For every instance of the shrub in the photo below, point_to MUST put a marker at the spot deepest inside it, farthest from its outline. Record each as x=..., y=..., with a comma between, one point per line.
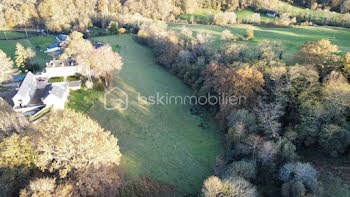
x=113, y=27
x=244, y=117
x=99, y=86
x=236, y=134
x=256, y=19
x=306, y=23
x=234, y=186
x=245, y=169
x=122, y=30
x=249, y=33
x=293, y=189
x=212, y=187
x=226, y=35
x=334, y=139
x=286, y=150
x=89, y=84
x=224, y=18
x=297, y=171
x=300, y=179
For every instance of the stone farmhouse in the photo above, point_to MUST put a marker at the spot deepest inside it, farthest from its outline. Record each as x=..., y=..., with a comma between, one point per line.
x=36, y=92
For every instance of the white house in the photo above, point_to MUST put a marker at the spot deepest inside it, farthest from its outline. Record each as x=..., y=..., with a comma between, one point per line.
x=35, y=92
x=56, y=47
x=55, y=95
x=271, y=13
x=61, y=68
x=26, y=91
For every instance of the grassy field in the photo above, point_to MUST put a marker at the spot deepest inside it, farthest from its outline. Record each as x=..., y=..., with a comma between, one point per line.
x=291, y=38
x=246, y=14
x=202, y=15
x=163, y=141
x=16, y=34
x=36, y=43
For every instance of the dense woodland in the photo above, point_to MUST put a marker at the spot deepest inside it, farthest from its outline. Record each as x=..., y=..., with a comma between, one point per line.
x=287, y=108
x=62, y=15
x=334, y=5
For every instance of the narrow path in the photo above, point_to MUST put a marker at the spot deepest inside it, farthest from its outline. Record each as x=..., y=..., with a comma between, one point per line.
x=163, y=141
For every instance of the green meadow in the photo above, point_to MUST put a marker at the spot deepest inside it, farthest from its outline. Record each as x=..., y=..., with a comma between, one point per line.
x=36, y=43
x=202, y=15
x=291, y=38
x=166, y=142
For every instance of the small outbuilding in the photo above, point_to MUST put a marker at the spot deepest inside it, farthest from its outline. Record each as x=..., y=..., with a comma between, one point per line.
x=55, y=95
x=271, y=13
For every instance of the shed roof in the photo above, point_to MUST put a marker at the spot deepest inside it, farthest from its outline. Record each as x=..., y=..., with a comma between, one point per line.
x=56, y=90
x=61, y=37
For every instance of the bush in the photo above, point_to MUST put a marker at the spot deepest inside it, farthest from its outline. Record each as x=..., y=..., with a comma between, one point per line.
x=234, y=186
x=99, y=86
x=245, y=169
x=293, y=189
x=256, y=19
x=89, y=84
x=249, y=33
x=300, y=179
x=334, y=139
x=224, y=18
x=246, y=118
x=286, y=150
x=306, y=23
x=122, y=30
x=226, y=35
x=113, y=27
x=297, y=171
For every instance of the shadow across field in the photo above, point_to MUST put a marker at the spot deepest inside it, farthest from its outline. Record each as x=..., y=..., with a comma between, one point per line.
x=163, y=141
x=291, y=38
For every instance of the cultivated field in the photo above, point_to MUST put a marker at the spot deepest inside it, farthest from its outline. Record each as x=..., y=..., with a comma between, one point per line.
x=164, y=141
x=291, y=38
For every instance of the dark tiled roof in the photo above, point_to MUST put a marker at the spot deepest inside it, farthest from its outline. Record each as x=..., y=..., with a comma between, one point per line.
x=18, y=77
x=54, y=45
x=56, y=90
x=46, y=91
x=61, y=37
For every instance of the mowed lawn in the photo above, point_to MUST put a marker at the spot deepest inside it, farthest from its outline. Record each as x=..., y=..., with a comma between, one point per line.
x=9, y=47
x=163, y=141
x=291, y=38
